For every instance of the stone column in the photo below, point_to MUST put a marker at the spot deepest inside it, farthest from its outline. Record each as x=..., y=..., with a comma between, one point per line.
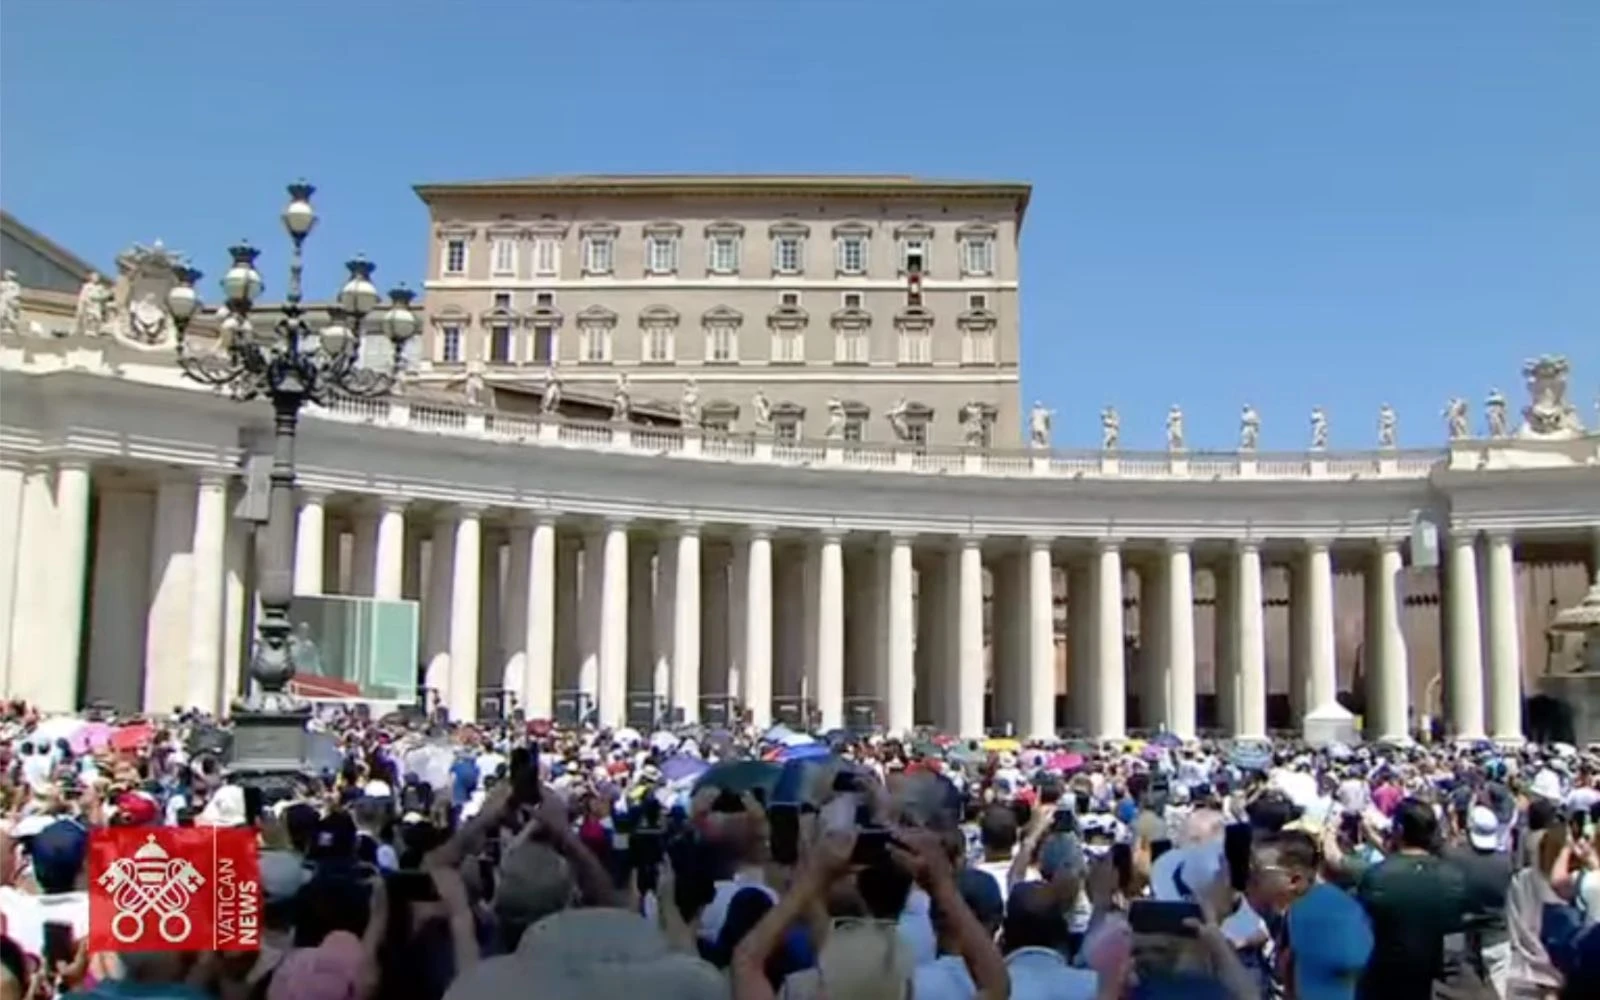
x=1007, y=653
x=758, y=626
x=686, y=622
x=1388, y=673
x=901, y=617
x=614, y=626
x=1301, y=701
x=1039, y=720
x=491, y=659
x=1322, y=677
x=518, y=593
x=363, y=549
x=933, y=586
x=1505, y=640
x=1110, y=720
x=208, y=592
x=67, y=567
x=1182, y=691
x=167, y=628
x=1225, y=651
x=466, y=572
x=810, y=570
x=309, y=542
x=1080, y=644
x=738, y=621
x=830, y=630
x=589, y=620
x=713, y=620
x=33, y=638
x=389, y=565
x=968, y=686
x=568, y=611
x=665, y=618
x=332, y=555
x=13, y=473
x=121, y=602
x=1155, y=662
x=539, y=620
x=1464, y=671
x=438, y=608
x=1252, y=641
x=238, y=610
x=641, y=619
x=412, y=587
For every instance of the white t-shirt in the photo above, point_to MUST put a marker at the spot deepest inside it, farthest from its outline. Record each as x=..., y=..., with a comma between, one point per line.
x=24, y=916
x=998, y=870
x=944, y=978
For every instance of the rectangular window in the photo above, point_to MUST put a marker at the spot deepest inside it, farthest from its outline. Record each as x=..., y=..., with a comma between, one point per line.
x=852, y=255
x=547, y=257
x=502, y=300
x=917, y=432
x=544, y=300
x=544, y=345
x=450, y=345
x=716, y=425
x=914, y=256
x=850, y=347
x=789, y=300
x=594, y=345
x=500, y=344
x=786, y=431
x=977, y=255
x=916, y=347
x=455, y=257
x=851, y=300
x=505, y=257
x=658, y=344
x=598, y=254
x=661, y=254
x=722, y=255
x=855, y=429
x=722, y=344
x=787, y=254
x=977, y=347
x=787, y=347
x=977, y=300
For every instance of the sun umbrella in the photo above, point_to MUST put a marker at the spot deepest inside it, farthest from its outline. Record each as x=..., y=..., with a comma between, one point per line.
x=1066, y=762
x=675, y=769
x=804, y=751
x=1167, y=741
x=1002, y=745
x=94, y=736
x=742, y=776
x=132, y=737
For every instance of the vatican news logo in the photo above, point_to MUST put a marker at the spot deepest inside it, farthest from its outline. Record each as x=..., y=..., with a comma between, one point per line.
x=174, y=889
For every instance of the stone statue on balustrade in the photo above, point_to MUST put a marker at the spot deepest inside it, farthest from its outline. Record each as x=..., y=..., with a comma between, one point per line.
x=689, y=405
x=1175, y=428
x=94, y=307
x=1039, y=425
x=10, y=303
x=1249, y=428
x=835, y=429
x=550, y=393
x=138, y=314
x=1549, y=414
x=975, y=424
x=1110, y=429
x=1319, y=429
x=1456, y=419
x=621, y=400
x=897, y=419
x=761, y=407
x=1494, y=412
x=476, y=388
x=1388, y=426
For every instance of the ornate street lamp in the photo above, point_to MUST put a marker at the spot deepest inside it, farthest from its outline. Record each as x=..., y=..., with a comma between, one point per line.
x=291, y=362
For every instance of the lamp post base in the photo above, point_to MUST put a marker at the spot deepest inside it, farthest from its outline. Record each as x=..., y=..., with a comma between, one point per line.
x=271, y=750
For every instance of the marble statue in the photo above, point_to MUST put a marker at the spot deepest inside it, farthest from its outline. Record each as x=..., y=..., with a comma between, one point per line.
x=974, y=424
x=897, y=419
x=1039, y=425
x=550, y=396
x=1319, y=429
x=477, y=388
x=621, y=399
x=1110, y=429
x=762, y=408
x=689, y=404
x=10, y=303
x=1549, y=413
x=1455, y=415
x=1175, y=428
x=1494, y=411
x=1249, y=428
x=94, y=300
x=1387, y=426
x=835, y=429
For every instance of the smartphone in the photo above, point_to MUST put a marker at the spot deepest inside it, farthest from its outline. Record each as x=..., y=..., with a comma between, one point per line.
x=58, y=946
x=1162, y=916
x=1122, y=861
x=872, y=847
x=252, y=805
x=411, y=887
x=1158, y=848
x=783, y=821
x=524, y=772
x=1236, y=844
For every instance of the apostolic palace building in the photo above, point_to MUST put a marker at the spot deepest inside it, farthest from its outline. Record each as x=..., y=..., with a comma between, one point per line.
x=688, y=446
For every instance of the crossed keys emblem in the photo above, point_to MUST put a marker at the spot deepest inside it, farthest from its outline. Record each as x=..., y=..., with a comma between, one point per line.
x=151, y=881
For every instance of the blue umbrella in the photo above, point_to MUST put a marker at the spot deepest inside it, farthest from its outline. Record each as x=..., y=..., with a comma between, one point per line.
x=683, y=768
x=804, y=751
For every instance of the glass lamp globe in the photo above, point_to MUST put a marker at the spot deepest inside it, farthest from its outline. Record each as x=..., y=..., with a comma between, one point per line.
x=400, y=323
x=299, y=217
x=359, y=295
x=242, y=283
x=182, y=300
x=335, y=338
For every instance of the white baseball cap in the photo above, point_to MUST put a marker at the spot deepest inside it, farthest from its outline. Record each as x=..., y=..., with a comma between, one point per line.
x=1483, y=829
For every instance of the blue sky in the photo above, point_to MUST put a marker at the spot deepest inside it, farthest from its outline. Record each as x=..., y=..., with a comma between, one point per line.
x=1287, y=203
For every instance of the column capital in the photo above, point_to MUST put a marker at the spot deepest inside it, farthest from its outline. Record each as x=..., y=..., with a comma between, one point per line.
x=1388, y=544
x=1102, y=545
x=71, y=460
x=1461, y=534
x=968, y=541
x=468, y=509
x=1246, y=545
x=1036, y=542
x=529, y=517
x=1500, y=536
x=831, y=535
x=308, y=495
x=1172, y=546
x=393, y=504
x=758, y=532
x=616, y=522
x=210, y=478
x=684, y=528
x=1316, y=544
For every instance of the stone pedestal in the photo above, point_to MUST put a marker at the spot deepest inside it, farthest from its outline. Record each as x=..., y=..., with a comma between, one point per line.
x=271, y=750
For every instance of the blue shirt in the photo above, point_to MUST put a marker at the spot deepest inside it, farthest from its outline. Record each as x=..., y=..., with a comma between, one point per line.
x=464, y=780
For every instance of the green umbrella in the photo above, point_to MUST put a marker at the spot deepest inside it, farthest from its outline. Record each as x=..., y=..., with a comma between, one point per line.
x=742, y=776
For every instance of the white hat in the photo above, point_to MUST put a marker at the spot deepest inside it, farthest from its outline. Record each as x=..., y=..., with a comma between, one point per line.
x=1483, y=829
x=1547, y=785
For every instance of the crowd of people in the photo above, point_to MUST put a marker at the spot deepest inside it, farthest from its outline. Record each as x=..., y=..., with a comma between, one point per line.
x=420, y=860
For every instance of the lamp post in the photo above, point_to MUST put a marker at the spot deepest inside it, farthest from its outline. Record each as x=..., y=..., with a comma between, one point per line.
x=290, y=362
